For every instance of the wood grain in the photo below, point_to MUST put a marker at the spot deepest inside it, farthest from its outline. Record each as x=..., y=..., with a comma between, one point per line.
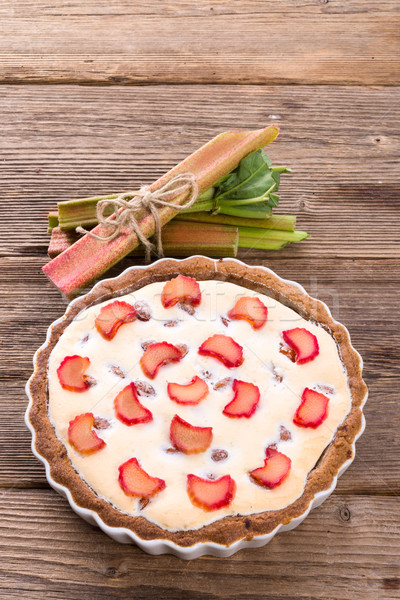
x=342, y=143
x=363, y=294
x=241, y=42
x=67, y=141
x=358, y=536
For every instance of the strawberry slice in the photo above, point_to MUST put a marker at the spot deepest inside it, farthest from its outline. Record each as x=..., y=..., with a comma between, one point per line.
x=313, y=409
x=245, y=400
x=81, y=435
x=112, y=316
x=303, y=342
x=156, y=355
x=71, y=373
x=191, y=393
x=224, y=349
x=250, y=309
x=136, y=482
x=275, y=470
x=184, y=290
x=128, y=408
x=188, y=438
x=211, y=494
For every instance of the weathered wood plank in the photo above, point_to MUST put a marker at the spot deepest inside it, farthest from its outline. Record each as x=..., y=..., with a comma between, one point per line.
x=343, y=144
x=248, y=41
x=363, y=294
x=358, y=536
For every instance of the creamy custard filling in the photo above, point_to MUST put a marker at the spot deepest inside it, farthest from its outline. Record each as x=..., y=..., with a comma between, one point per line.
x=281, y=383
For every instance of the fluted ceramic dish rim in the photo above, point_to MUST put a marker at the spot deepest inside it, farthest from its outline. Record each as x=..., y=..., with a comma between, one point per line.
x=162, y=546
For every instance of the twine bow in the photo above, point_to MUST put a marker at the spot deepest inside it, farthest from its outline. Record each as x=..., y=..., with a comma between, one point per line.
x=127, y=205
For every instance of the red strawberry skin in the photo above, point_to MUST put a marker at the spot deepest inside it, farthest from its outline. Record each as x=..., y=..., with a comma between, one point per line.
x=303, y=342
x=128, y=409
x=136, y=482
x=250, y=309
x=224, y=349
x=245, y=400
x=189, y=439
x=211, y=495
x=81, y=435
x=112, y=316
x=71, y=373
x=191, y=393
x=156, y=355
x=275, y=470
x=313, y=409
x=181, y=289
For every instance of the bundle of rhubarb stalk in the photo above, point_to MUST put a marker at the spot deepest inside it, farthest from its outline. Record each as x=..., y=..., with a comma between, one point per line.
x=237, y=193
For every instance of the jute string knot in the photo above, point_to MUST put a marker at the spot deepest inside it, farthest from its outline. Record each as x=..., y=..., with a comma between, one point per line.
x=127, y=206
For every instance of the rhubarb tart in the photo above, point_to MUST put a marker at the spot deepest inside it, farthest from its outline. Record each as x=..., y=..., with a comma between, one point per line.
x=196, y=406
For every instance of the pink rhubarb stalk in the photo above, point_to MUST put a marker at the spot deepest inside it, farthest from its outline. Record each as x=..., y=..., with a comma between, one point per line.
x=89, y=258
x=60, y=241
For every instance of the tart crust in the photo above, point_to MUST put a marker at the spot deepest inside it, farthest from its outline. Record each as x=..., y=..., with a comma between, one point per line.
x=230, y=529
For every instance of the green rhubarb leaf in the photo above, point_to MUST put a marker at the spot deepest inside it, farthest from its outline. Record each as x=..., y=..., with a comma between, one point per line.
x=274, y=199
x=254, y=178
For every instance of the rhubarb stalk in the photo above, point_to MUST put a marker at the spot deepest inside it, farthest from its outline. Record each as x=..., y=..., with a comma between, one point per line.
x=185, y=239
x=89, y=258
x=179, y=239
x=53, y=221
x=78, y=214
x=281, y=222
x=60, y=241
x=82, y=212
x=268, y=239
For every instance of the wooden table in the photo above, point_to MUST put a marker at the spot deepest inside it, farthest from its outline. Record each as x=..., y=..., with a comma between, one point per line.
x=103, y=95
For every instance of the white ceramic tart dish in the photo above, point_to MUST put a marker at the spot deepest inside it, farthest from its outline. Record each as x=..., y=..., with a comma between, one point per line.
x=195, y=406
